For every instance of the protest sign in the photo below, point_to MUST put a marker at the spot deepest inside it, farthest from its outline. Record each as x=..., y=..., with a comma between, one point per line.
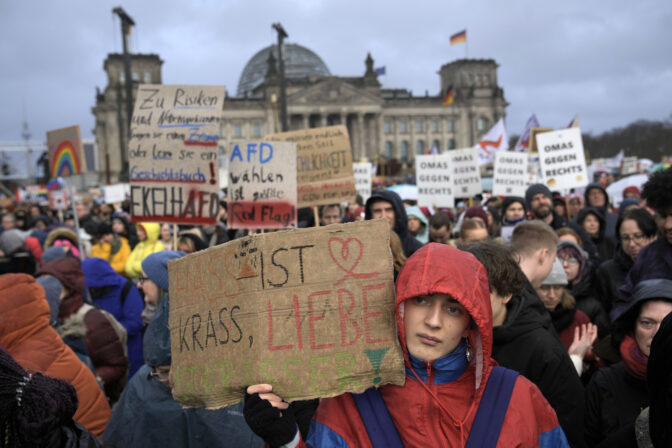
x=262, y=185
x=66, y=153
x=510, y=174
x=533, y=137
x=466, y=172
x=323, y=165
x=362, y=171
x=173, y=154
x=629, y=165
x=434, y=178
x=310, y=311
x=58, y=200
x=115, y=193
x=562, y=161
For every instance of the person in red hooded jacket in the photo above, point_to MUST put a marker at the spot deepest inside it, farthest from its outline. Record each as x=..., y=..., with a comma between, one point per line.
x=444, y=322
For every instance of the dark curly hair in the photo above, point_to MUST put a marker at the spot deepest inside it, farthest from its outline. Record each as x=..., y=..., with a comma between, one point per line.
x=504, y=275
x=658, y=190
x=33, y=407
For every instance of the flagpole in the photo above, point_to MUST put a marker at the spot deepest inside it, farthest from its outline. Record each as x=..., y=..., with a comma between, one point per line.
x=466, y=45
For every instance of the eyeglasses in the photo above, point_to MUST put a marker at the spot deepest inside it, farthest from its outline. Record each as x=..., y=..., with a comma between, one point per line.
x=142, y=280
x=569, y=260
x=638, y=238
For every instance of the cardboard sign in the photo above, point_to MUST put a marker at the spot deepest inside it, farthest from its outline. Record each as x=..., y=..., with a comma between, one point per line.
x=262, y=185
x=66, y=153
x=323, y=165
x=434, y=178
x=115, y=193
x=362, y=172
x=533, y=137
x=173, y=154
x=510, y=174
x=562, y=161
x=310, y=311
x=629, y=165
x=466, y=172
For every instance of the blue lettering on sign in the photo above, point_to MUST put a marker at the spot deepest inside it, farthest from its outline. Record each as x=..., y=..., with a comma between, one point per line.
x=264, y=150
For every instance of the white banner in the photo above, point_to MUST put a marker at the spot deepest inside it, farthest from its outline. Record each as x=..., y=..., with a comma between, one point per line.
x=563, y=164
x=466, y=172
x=116, y=193
x=510, y=174
x=434, y=178
x=629, y=165
x=362, y=171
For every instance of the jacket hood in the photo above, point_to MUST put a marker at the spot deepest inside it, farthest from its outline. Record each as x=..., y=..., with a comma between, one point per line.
x=59, y=233
x=597, y=212
x=602, y=189
x=415, y=211
x=99, y=273
x=400, y=217
x=24, y=310
x=658, y=288
x=68, y=271
x=156, y=340
x=524, y=313
x=12, y=241
x=441, y=269
x=152, y=229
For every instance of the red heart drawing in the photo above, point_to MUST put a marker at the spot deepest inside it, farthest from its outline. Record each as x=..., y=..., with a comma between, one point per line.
x=346, y=254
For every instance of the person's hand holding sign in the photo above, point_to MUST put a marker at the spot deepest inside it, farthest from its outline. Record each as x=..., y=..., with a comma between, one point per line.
x=273, y=419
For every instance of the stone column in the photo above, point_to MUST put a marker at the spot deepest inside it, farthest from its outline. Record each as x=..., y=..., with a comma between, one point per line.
x=323, y=119
x=361, y=146
x=306, y=121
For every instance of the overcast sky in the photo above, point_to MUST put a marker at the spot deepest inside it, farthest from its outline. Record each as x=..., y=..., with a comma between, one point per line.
x=608, y=60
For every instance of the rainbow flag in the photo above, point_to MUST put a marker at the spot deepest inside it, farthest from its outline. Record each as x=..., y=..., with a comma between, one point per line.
x=458, y=38
x=449, y=97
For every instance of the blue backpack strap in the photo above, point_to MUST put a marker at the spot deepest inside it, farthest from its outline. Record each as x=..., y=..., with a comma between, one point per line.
x=492, y=409
x=377, y=419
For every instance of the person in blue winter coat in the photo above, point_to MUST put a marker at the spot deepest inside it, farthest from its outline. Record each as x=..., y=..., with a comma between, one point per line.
x=120, y=297
x=147, y=415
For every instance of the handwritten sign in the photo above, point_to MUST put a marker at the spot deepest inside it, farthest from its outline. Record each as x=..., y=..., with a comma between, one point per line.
x=310, y=311
x=173, y=154
x=66, y=153
x=435, y=180
x=466, y=172
x=510, y=174
x=362, y=172
x=115, y=193
x=262, y=185
x=629, y=165
x=323, y=165
x=58, y=200
x=563, y=164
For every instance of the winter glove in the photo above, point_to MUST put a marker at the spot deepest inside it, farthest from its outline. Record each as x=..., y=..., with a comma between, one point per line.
x=277, y=427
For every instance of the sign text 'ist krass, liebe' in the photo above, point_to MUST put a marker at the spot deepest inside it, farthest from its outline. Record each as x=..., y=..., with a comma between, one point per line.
x=310, y=311
x=173, y=154
x=324, y=172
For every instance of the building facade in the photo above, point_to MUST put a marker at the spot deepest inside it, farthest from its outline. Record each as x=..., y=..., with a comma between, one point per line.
x=386, y=125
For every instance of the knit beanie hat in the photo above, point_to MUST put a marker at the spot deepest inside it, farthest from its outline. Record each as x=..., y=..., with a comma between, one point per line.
x=156, y=266
x=53, y=253
x=577, y=251
x=476, y=212
x=535, y=189
x=52, y=288
x=557, y=275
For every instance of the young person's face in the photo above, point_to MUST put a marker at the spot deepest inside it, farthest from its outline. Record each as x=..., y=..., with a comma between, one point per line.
x=648, y=322
x=440, y=235
x=330, y=215
x=664, y=217
x=591, y=225
x=165, y=232
x=118, y=227
x=150, y=289
x=514, y=211
x=414, y=225
x=550, y=295
x=571, y=266
x=383, y=209
x=142, y=235
x=434, y=325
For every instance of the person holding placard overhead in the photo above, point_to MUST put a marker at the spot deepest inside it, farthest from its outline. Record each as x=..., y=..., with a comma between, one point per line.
x=444, y=325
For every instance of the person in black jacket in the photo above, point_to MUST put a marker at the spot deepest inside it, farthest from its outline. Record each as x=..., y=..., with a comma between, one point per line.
x=582, y=284
x=524, y=339
x=592, y=221
x=636, y=229
x=596, y=196
x=387, y=204
x=616, y=394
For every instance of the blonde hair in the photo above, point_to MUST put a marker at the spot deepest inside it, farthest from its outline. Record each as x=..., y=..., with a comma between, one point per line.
x=530, y=236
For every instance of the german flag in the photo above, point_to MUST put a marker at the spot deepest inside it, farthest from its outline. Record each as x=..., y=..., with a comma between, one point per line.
x=449, y=97
x=458, y=38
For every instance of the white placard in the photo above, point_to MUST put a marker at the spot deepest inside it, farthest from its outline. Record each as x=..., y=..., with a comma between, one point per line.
x=466, y=172
x=510, y=174
x=362, y=172
x=434, y=178
x=116, y=193
x=563, y=164
x=629, y=165
x=58, y=200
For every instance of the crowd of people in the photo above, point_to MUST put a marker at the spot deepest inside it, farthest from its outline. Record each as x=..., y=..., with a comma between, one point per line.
x=541, y=320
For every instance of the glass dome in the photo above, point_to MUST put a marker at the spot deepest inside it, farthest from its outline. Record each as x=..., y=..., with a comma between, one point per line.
x=300, y=62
